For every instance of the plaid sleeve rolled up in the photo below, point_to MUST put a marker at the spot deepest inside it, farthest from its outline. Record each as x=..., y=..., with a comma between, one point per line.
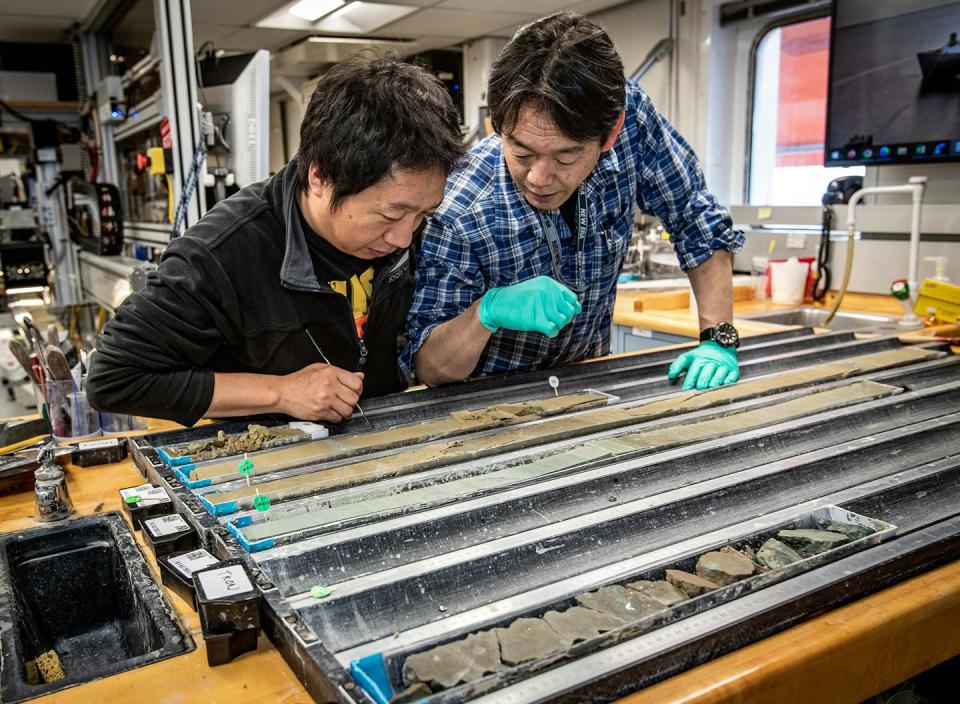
x=671, y=186
x=448, y=281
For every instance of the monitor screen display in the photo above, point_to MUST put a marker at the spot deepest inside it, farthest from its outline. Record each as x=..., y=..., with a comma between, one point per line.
x=894, y=92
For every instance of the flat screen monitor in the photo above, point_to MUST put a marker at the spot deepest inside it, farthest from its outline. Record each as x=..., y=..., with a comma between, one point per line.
x=894, y=95
x=238, y=87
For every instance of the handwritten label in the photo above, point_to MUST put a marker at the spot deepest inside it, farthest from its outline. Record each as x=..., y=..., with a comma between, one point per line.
x=147, y=495
x=166, y=525
x=190, y=562
x=225, y=582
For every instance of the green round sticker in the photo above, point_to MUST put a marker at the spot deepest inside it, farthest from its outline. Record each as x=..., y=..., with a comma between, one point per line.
x=262, y=502
x=319, y=592
x=132, y=499
x=245, y=467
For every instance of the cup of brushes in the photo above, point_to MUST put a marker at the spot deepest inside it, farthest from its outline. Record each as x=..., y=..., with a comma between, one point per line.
x=63, y=400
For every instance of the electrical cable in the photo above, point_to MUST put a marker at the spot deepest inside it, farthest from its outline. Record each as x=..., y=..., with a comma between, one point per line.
x=190, y=184
x=16, y=113
x=23, y=118
x=822, y=285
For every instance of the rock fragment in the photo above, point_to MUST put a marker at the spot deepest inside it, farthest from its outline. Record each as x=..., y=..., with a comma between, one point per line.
x=413, y=693
x=528, y=639
x=483, y=651
x=850, y=530
x=773, y=554
x=812, y=542
x=440, y=667
x=724, y=568
x=448, y=665
x=690, y=584
x=578, y=623
x=661, y=590
x=625, y=604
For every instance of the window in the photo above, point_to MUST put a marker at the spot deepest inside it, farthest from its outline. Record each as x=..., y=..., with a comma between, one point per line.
x=789, y=116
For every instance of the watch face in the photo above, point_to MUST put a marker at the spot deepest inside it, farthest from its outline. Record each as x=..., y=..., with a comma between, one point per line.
x=726, y=335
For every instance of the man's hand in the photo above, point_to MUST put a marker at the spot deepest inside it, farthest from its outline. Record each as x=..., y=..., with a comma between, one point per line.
x=707, y=366
x=320, y=392
x=537, y=305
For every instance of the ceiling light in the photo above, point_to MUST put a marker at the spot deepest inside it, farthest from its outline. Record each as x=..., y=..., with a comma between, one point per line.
x=312, y=10
x=363, y=17
x=360, y=40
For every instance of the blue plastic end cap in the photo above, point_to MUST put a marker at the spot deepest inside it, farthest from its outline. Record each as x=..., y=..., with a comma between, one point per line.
x=224, y=509
x=370, y=672
x=257, y=546
x=184, y=476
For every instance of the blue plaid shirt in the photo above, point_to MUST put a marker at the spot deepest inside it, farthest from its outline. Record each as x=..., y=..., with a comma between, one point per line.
x=486, y=235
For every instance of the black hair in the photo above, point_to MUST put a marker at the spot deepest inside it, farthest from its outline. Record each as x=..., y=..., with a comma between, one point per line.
x=369, y=116
x=566, y=66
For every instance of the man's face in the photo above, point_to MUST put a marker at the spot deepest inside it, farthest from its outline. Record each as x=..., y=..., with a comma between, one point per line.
x=546, y=165
x=378, y=220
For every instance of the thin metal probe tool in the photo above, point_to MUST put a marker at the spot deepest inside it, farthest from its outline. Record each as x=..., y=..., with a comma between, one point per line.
x=327, y=361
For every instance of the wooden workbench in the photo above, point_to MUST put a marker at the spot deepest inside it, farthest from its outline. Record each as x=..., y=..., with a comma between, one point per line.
x=262, y=677
x=845, y=655
x=682, y=321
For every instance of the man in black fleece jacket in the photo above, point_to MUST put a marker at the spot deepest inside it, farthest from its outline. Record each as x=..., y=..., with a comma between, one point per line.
x=324, y=246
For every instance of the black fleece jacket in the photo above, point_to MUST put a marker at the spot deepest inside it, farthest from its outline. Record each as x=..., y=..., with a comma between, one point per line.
x=235, y=294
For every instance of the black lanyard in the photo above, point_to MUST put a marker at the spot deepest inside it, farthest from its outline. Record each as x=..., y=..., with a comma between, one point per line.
x=553, y=242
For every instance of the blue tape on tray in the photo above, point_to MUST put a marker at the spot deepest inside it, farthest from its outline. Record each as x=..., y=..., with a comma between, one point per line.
x=224, y=509
x=370, y=672
x=257, y=546
x=183, y=474
x=243, y=521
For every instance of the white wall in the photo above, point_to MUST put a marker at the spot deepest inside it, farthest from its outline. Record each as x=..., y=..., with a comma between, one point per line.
x=635, y=28
x=478, y=56
x=295, y=98
x=276, y=136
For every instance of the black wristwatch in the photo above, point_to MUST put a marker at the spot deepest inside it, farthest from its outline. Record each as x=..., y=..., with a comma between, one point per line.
x=723, y=334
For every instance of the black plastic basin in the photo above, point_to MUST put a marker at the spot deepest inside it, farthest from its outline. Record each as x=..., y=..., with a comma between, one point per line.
x=82, y=590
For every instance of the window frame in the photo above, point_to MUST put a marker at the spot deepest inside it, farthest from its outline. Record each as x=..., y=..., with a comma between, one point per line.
x=804, y=14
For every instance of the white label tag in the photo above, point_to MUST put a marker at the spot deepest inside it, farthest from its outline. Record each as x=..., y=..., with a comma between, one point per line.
x=314, y=430
x=167, y=525
x=149, y=495
x=190, y=562
x=135, y=490
x=98, y=444
x=228, y=581
x=796, y=240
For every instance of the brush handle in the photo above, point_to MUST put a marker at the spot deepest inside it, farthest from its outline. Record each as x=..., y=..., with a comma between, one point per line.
x=57, y=365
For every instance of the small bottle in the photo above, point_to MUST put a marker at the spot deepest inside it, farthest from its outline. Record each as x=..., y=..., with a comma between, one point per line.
x=931, y=318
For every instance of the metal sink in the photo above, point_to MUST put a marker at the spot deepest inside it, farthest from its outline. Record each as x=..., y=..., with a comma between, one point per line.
x=77, y=603
x=815, y=317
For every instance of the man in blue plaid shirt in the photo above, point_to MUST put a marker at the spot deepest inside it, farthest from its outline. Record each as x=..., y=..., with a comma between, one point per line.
x=518, y=269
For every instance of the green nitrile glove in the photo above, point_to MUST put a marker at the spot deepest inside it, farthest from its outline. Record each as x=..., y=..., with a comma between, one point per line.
x=536, y=305
x=708, y=366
